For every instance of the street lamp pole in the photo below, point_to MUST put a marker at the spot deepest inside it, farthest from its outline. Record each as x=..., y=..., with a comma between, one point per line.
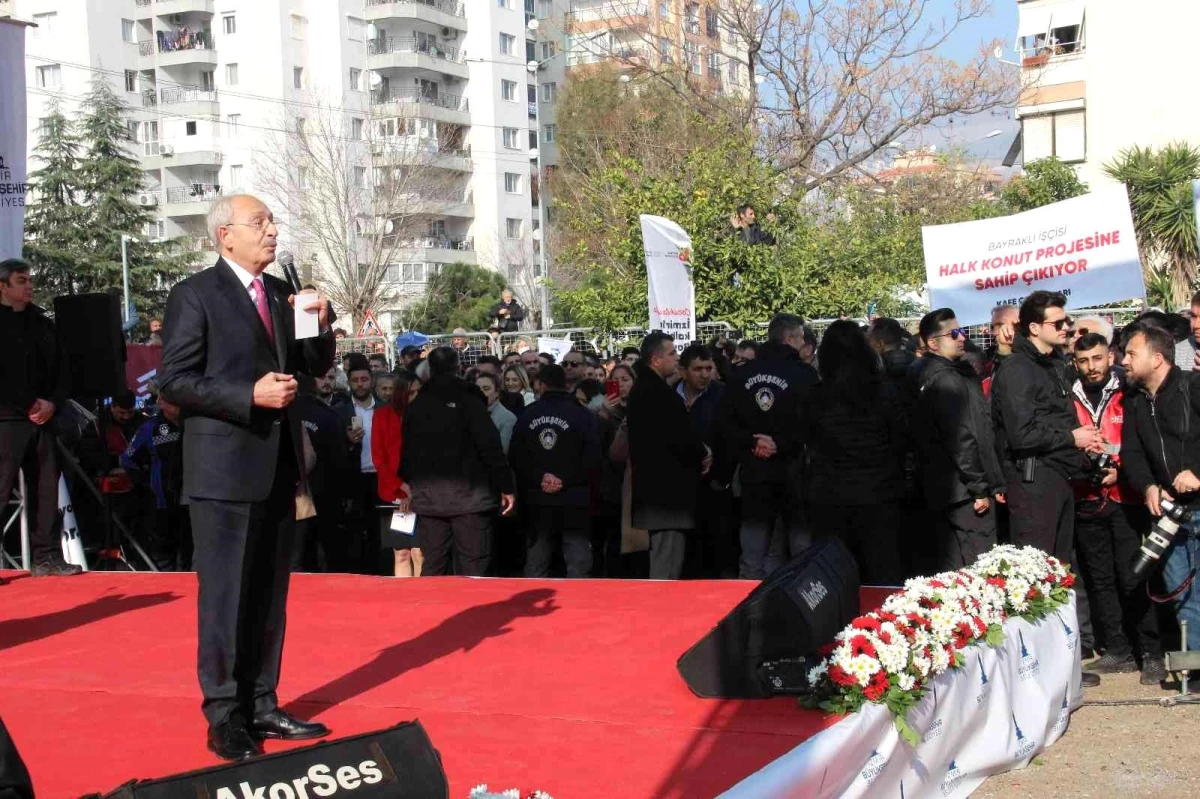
x=125, y=239
x=533, y=66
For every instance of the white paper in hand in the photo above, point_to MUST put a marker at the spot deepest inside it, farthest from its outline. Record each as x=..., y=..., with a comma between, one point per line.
x=404, y=522
x=308, y=325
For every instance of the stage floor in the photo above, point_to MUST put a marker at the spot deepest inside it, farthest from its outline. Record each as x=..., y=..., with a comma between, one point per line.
x=565, y=686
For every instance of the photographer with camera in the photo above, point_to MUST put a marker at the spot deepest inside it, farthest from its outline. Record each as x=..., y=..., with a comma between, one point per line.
x=1109, y=516
x=1160, y=449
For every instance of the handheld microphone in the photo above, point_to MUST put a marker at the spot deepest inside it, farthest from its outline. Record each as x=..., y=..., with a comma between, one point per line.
x=288, y=264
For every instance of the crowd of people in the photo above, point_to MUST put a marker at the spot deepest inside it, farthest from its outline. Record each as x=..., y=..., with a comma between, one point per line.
x=914, y=448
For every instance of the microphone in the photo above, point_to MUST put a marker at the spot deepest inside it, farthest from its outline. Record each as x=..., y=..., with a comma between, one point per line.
x=288, y=264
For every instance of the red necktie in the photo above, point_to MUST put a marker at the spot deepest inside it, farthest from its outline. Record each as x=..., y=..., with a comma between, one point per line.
x=264, y=313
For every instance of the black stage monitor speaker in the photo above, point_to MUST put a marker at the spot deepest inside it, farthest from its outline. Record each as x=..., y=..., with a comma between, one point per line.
x=399, y=763
x=767, y=644
x=89, y=332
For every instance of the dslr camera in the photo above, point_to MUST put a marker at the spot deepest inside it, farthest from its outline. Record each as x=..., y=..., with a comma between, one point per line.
x=1160, y=538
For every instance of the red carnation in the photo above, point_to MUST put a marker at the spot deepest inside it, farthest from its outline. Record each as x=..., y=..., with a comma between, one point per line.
x=999, y=582
x=840, y=676
x=885, y=616
x=877, y=687
x=962, y=635
x=1068, y=581
x=859, y=645
x=885, y=637
x=936, y=584
x=865, y=623
x=1033, y=594
x=979, y=625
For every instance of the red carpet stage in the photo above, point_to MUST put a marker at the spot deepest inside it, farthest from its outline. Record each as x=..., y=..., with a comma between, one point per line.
x=569, y=687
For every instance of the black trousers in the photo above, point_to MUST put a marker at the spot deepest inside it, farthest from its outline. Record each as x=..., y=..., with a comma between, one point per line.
x=325, y=531
x=870, y=532
x=468, y=535
x=1107, y=542
x=762, y=505
x=1041, y=513
x=25, y=445
x=242, y=554
x=964, y=535
x=547, y=526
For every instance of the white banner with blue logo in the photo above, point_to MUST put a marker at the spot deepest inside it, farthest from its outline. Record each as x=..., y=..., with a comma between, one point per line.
x=996, y=714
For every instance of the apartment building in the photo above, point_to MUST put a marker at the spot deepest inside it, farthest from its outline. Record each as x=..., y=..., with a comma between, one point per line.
x=1101, y=76
x=215, y=85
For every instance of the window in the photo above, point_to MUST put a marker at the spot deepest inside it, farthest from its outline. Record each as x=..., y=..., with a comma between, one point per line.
x=355, y=80
x=235, y=175
x=512, y=182
x=549, y=92
x=298, y=77
x=691, y=22
x=664, y=50
x=504, y=3
x=232, y=121
x=544, y=9
x=508, y=90
x=155, y=229
x=530, y=51
x=712, y=23
x=127, y=31
x=531, y=96
x=299, y=27
x=229, y=23
x=1062, y=135
x=208, y=81
x=300, y=126
x=130, y=80
x=131, y=130
x=356, y=129
x=734, y=72
x=190, y=127
x=691, y=56
x=231, y=75
x=714, y=65
x=360, y=177
x=513, y=228
x=533, y=142
x=47, y=25
x=507, y=41
x=549, y=133
x=512, y=138
x=302, y=177
x=356, y=29
x=664, y=9
x=548, y=50
x=50, y=76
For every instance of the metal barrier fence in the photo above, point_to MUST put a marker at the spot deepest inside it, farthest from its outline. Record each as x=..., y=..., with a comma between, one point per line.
x=368, y=345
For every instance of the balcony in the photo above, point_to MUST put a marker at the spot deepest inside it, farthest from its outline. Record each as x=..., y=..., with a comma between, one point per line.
x=142, y=9
x=446, y=13
x=415, y=152
x=448, y=202
x=163, y=8
x=409, y=53
x=411, y=102
x=609, y=15
x=183, y=100
x=191, y=200
x=176, y=48
x=436, y=251
x=180, y=153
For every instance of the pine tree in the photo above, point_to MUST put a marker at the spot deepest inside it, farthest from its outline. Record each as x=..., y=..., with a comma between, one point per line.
x=53, y=221
x=110, y=178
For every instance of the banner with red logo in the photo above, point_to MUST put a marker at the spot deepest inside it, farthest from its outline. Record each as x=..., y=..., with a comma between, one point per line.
x=141, y=367
x=669, y=277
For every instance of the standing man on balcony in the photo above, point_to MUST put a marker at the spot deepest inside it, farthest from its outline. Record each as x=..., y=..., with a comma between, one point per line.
x=508, y=313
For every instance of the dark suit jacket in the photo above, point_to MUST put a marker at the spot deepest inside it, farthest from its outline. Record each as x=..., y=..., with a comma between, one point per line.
x=214, y=350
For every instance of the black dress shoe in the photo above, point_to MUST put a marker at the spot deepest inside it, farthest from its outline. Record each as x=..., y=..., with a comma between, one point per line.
x=1090, y=680
x=278, y=724
x=231, y=741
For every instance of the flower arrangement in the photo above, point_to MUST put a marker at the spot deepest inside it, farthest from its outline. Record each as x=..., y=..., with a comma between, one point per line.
x=482, y=792
x=889, y=656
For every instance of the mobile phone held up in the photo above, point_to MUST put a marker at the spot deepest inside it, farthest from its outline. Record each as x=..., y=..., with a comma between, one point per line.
x=612, y=390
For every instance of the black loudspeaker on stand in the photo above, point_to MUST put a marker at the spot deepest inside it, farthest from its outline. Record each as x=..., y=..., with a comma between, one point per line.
x=767, y=644
x=399, y=763
x=89, y=333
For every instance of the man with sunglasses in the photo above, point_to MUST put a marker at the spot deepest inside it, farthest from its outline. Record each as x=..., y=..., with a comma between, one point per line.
x=574, y=363
x=960, y=472
x=1040, y=441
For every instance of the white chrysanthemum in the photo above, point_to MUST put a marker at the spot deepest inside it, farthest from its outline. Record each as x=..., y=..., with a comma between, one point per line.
x=941, y=661
x=922, y=665
x=906, y=682
x=862, y=668
x=817, y=672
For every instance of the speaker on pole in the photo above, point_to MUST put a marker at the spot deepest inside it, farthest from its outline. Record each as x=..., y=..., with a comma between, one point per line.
x=89, y=333
x=767, y=644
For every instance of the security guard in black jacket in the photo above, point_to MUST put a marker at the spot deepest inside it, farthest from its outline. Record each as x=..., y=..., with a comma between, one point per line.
x=759, y=419
x=1040, y=445
x=555, y=453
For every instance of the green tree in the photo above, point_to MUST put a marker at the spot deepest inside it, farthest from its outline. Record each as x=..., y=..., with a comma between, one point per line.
x=54, y=219
x=459, y=295
x=1160, y=196
x=1044, y=181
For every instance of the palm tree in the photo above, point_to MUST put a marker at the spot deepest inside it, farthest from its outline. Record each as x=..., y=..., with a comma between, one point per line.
x=1160, y=196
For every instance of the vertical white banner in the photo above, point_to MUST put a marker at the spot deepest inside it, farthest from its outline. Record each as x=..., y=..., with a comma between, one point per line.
x=669, y=277
x=13, y=187
x=1196, y=207
x=72, y=544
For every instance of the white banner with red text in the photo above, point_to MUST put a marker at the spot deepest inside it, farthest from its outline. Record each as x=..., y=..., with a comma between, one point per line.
x=13, y=185
x=1000, y=710
x=672, y=294
x=1084, y=248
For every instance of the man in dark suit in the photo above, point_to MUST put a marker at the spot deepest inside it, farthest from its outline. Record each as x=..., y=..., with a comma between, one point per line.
x=231, y=361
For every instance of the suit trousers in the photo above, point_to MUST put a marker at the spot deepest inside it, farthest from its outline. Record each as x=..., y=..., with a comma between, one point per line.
x=242, y=554
x=763, y=551
x=470, y=537
x=668, y=548
x=547, y=524
x=1041, y=513
x=870, y=532
x=964, y=535
x=1107, y=541
x=25, y=445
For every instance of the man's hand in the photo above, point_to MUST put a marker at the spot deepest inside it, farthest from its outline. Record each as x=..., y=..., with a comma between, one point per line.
x=503, y=312
x=1186, y=482
x=981, y=506
x=41, y=411
x=311, y=300
x=551, y=484
x=1154, y=498
x=356, y=434
x=1088, y=438
x=1110, y=478
x=1196, y=362
x=401, y=504
x=1000, y=498
x=507, y=503
x=274, y=390
x=764, y=446
x=706, y=464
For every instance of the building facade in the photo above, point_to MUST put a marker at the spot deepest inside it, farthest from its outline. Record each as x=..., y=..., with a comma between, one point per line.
x=1095, y=85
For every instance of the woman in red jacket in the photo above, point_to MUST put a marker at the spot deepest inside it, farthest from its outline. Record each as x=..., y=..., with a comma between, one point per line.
x=386, y=439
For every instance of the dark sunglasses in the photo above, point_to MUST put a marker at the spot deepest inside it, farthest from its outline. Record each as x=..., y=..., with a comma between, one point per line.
x=955, y=333
x=1060, y=324
x=572, y=363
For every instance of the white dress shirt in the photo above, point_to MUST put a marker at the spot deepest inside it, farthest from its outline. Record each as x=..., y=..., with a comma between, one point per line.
x=247, y=278
x=365, y=462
